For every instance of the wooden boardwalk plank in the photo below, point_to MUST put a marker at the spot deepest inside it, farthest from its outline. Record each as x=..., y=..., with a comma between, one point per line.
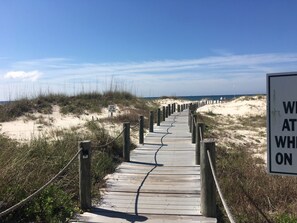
x=160, y=184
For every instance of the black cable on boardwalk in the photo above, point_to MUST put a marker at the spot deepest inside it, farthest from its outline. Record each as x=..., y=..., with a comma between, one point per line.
x=156, y=165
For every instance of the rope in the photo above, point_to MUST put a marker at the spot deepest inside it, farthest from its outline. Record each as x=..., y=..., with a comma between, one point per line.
x=40, y=189
x=253, y=202
x=135, y=126
x=231, y=219
x=102, y=146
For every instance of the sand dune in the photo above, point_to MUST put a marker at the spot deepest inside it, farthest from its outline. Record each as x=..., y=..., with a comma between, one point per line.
x=241, y=123
x=236, y=123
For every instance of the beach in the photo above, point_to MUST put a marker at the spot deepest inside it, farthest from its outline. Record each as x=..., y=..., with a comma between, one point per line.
x=236, y=118
x=241, y=122
x=30, y=126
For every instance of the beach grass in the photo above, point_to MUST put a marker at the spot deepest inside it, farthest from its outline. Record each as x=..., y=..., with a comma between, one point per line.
x=251, y=193
x=25, y=167
x=78, y=104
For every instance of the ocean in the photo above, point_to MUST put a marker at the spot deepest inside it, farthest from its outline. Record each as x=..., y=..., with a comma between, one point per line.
x=190, y=98
x=208, y=97
x=3, y=102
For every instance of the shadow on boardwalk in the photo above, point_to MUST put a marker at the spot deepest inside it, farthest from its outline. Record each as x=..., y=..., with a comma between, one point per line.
x=161, y=183
x=117, y=215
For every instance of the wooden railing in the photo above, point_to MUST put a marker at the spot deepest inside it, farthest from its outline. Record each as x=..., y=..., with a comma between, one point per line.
x=84, y=155
x=206, y=158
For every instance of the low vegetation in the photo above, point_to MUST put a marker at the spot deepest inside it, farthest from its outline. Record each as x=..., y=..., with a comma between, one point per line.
x=251, y=193
x=25, y=167
x=87, y=102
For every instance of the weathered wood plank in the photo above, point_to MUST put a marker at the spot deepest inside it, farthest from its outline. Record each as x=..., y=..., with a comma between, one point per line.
x=160, y=184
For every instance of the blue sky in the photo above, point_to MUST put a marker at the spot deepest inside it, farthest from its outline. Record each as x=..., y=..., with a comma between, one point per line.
x=149, y=47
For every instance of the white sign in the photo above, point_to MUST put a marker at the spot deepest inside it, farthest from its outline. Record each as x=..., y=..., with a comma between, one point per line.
x=282, y=123
x=112, y=108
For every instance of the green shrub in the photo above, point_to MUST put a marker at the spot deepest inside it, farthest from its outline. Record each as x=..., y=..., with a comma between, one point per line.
x=26, y=167
x=251, y=193
x=285, y=218
x=87, y=102
x=52, y=205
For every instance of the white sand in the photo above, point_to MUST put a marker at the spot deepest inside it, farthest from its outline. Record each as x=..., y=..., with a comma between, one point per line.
x=24, y=128
x=167, y=101
x=231, y=131
x=37, y=125
x=238, y=107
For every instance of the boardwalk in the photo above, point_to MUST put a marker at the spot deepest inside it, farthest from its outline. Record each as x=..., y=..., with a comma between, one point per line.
x=160, y=184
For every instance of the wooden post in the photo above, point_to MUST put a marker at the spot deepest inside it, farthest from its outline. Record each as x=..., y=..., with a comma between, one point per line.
x=167, y=112
x=172, y=106
x=169, y=109
x=194, y=129
x=191, y=121
x=178, y=108
x=189, y=116
x=141, y=125
x=199, y=138
x=126, y=140
x=151, y=129
x=85, y=180
x=208, y=190
x=159, y=117
x=163, y=113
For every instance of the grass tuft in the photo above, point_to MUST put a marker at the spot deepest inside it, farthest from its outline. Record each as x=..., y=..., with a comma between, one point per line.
x=25, y=167
x=251, y=193
x=79, y=104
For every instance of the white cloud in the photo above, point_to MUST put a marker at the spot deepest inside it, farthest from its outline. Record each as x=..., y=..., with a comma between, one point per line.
x=23, y=75
x=224, y=73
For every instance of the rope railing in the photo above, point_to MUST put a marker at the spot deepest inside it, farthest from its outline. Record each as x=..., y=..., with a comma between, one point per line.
x=231, y=219
x=108, y=143
x=37, y=192
x=208, y=148
x=136, y=126
x=21, y=203
x=83, y=159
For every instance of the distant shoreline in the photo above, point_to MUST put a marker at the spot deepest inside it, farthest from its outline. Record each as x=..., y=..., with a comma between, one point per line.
x=209, y=97
x=4, y=102
x=189, y=98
